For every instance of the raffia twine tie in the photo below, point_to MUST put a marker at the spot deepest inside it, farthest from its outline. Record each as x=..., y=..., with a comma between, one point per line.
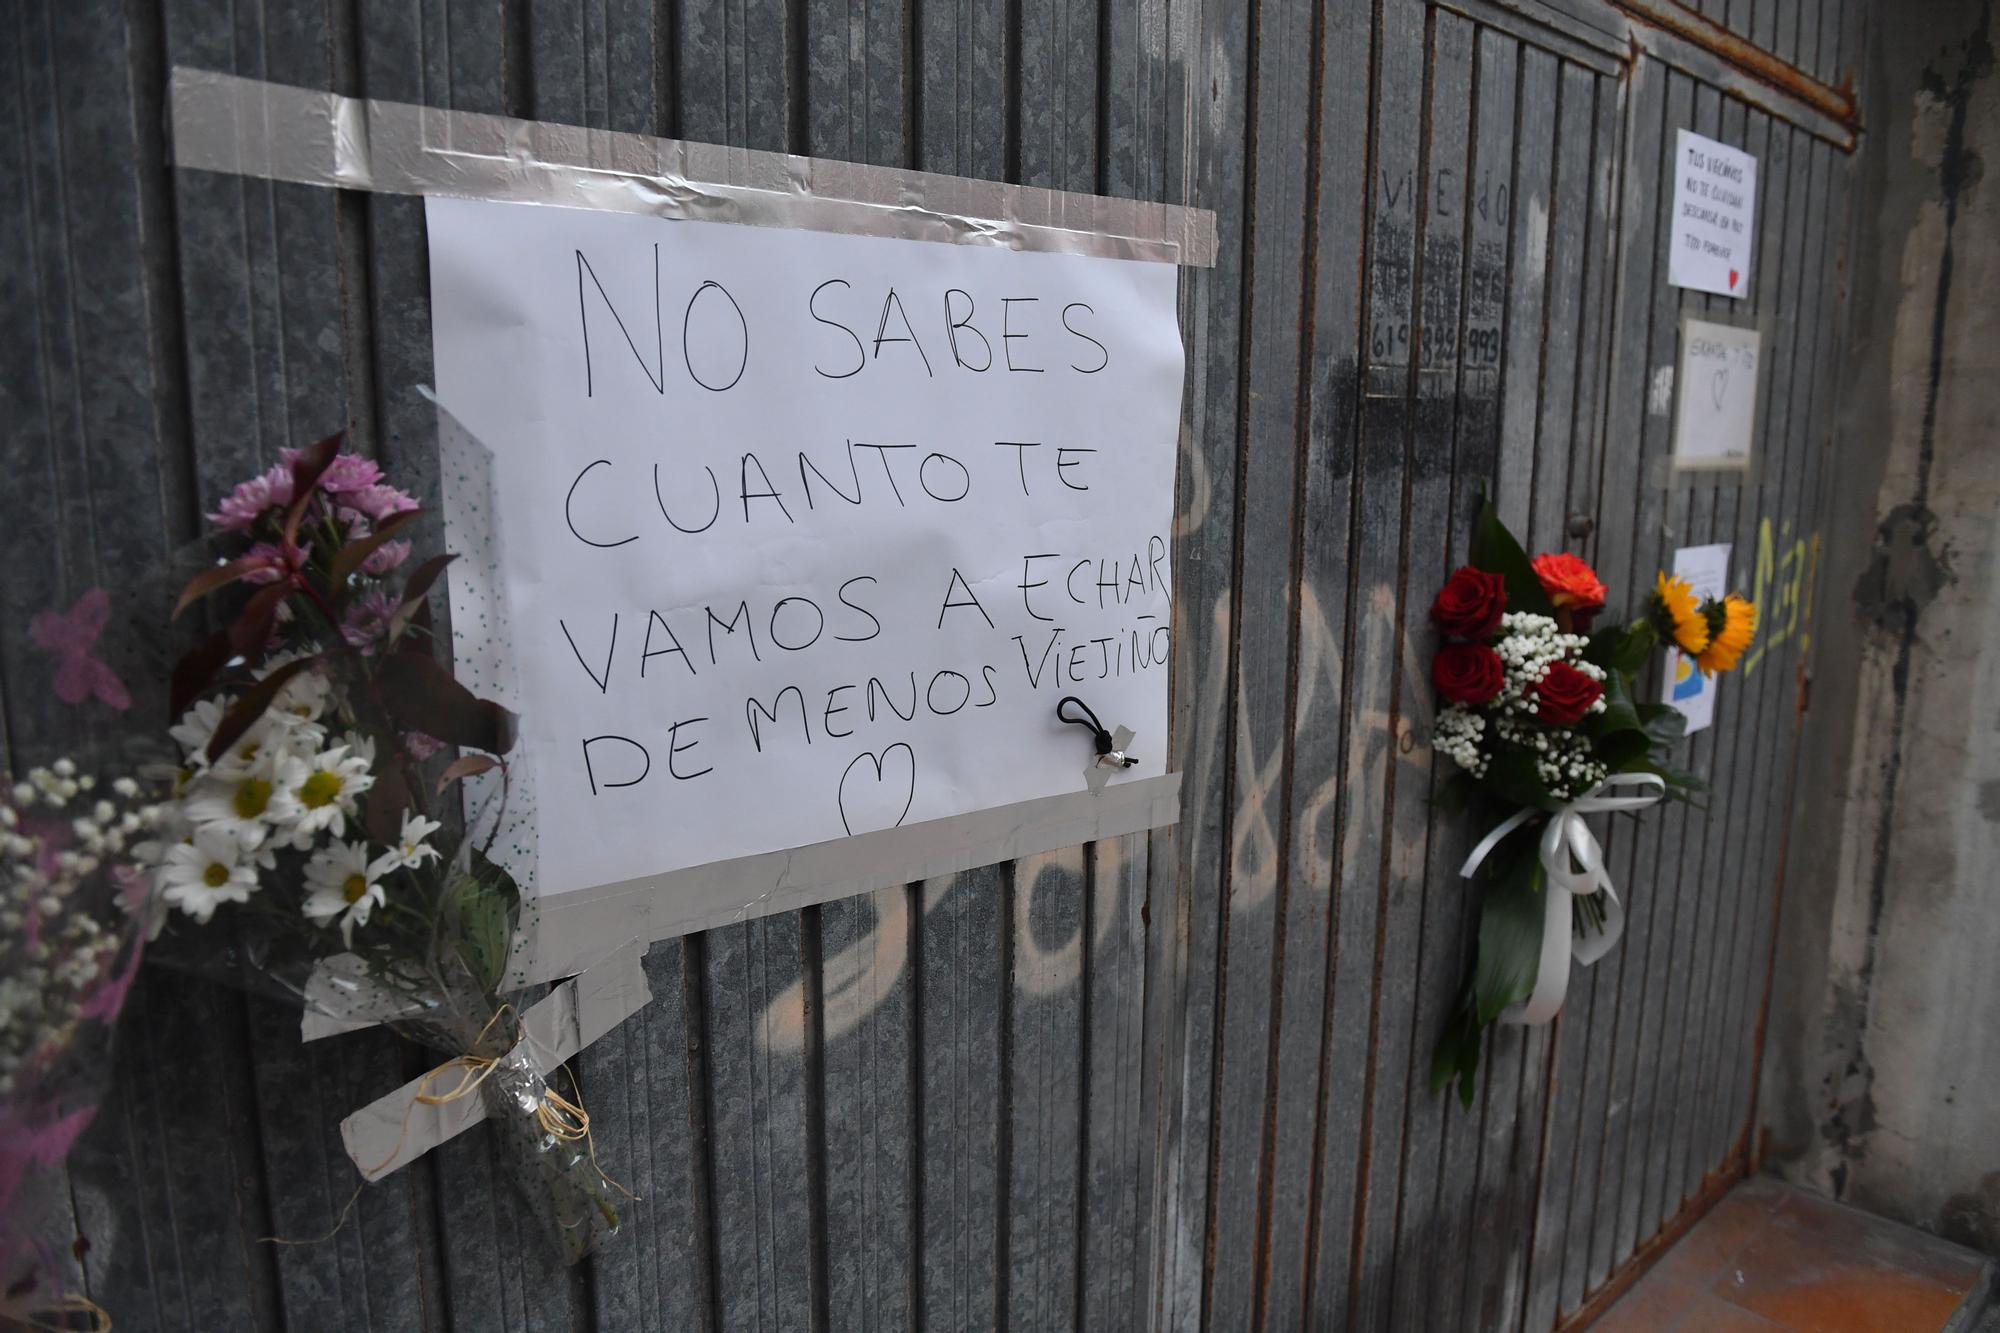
x=60, y=1317
x=561, y=1118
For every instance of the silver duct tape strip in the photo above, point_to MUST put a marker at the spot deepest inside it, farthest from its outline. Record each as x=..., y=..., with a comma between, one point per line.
x=275, y=131
x=578, y=927
x=395, y=1130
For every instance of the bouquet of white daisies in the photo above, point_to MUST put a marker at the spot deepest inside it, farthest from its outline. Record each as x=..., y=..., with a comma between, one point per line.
x=316, y=844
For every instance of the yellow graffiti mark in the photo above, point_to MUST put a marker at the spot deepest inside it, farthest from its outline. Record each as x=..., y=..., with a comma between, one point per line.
x=1784, y=570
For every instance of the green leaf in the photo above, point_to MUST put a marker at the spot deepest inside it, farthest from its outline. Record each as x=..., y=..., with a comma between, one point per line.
x=307, y=468
x=1510, y=938
x=1666, y=727
x=464, y=767
x=1619, y=713
x=217, y=577
x=1455, y=793
x=1622, y=648
x=415, y=593
x=196, y=668
x=424, y=697
x=243, y=714
x=1495, y=551
x=1621, y=749
x=1511, y=775
x=1456, y=1056
x=487, y=903
x=390, y=798
x=252, y=627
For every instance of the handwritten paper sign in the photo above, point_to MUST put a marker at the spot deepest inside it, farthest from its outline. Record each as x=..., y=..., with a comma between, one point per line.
x=1718, y=399
x=1715, y=204
x=805, y=535
x=1706, y=568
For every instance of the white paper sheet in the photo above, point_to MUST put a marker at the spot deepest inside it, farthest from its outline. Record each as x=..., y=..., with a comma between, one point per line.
x=812, y=543
x=1717, y=415
x=1706, y=568
x=1715, y=206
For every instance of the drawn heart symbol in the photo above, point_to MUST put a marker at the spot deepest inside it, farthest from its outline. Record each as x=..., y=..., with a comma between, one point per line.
x=873, y=798
x=1718, y=386
x=1732, y=279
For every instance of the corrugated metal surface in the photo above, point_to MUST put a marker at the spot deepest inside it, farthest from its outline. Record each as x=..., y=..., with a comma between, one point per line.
x=1174, y=1081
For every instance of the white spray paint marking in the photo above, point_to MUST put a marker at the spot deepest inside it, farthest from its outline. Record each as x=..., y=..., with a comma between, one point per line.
x=1660, y=398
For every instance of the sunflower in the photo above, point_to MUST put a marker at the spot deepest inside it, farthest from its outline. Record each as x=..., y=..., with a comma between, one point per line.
x=1735, y=624
x=1677, y=615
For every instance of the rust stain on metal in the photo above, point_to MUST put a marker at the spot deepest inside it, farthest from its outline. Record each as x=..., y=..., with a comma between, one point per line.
x=1714, y=1186
x=1748, y=57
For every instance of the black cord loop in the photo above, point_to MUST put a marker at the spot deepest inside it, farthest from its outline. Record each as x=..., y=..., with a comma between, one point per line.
x=1089, y=719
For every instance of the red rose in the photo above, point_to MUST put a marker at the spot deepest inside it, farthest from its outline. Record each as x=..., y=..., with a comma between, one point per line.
x=1566, y=694
x=1571, y=585
x=1468, y=673
x=1470, y=603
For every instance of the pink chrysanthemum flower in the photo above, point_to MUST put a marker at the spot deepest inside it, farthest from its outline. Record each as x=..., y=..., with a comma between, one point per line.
x=386, y=557
x=251, y=499
x=272, y=558
x=348, y=473
x=377, y=502
x=367, y=621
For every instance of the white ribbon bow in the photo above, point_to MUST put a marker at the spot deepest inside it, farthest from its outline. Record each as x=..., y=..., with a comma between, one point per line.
x=1567, y=843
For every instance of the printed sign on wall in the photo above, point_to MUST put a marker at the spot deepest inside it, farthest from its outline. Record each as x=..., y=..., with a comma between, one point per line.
x=1706, y=568
x=1715, y=205
x=1717, y=412
x=805, y=535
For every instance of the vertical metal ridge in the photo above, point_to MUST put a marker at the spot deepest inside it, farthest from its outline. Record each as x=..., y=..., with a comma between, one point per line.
x=1419, y=213
x=1003, y=1188
x=913, y=1102
x=1418, y=1048
x=1080, y=1224
x=1232, y=671
x=1010, y=59
x=1364, y=310
x=798, y=83
x=814, y=1057
x=701, y=1120
x=159, y=227
x=1301, y=451
x=1490, y=1056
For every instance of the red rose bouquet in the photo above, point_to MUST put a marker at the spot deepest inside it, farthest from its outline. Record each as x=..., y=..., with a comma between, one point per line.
x=1540, y=719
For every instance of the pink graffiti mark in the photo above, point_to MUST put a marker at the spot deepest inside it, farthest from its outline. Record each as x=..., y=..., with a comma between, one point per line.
x=109, y=998
x=41, y=1145
x=71, y=638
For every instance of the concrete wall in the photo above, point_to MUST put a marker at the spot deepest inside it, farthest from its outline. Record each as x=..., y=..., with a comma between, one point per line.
x=1882, y=1083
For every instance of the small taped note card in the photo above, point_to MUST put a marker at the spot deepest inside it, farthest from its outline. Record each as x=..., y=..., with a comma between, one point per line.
x=1716, y=416
x=1706, y=568
x=1715, y=212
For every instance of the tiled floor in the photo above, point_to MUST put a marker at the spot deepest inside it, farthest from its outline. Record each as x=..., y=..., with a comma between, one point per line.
x=1769, y=1257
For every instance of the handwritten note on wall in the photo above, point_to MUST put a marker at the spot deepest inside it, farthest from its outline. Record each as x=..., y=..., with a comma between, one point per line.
x=1715, y=206
x=805, y=534
x=1706, y=568
x=1717, y=412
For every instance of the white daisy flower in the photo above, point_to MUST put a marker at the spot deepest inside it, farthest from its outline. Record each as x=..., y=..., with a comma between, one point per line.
x=197, y=726
x=247, y=805
x=413, y=847
x=200, y=875
x=342, y=882
x=266, y=742
x=305, y=697
x=325, y=790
